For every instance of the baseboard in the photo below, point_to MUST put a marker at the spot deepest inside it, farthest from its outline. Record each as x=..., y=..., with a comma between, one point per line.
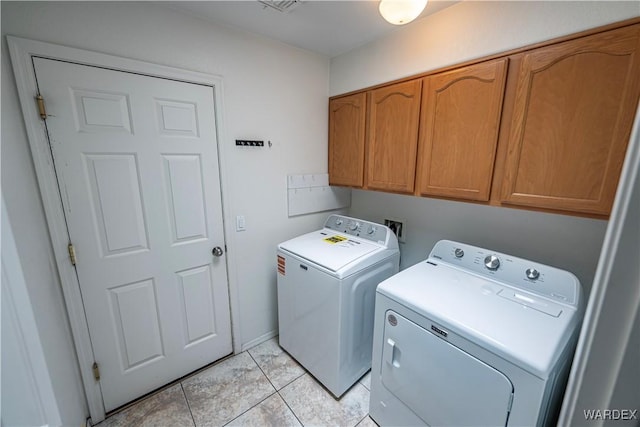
x=259, y=340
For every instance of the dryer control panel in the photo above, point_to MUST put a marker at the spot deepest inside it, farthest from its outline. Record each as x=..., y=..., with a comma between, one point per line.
x=360, y=228
x=558, y=285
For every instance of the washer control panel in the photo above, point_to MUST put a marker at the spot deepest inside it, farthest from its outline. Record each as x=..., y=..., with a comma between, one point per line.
x=492, y=262
x=357, y=227
x=558, y=285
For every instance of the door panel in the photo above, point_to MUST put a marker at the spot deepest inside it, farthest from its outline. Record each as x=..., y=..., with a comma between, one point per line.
x=572, y=115
x=394, y=117
x=440, y=383
x=176, y=118
x=347, y=116
x=187, y=212
x=136, y=323
x=137, y=165
x=116, y=202
x=196, y=298
x=100, y=112
x=459, y=130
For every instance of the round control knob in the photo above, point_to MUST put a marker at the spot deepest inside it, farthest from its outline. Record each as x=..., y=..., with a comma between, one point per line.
x=338, y=221
x=459, y=253
x=354, y=226
x=532, y=274
x=492, y=262
x=371, y=230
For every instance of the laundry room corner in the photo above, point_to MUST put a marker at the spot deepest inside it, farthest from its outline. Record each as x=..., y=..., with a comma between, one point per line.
x=200, y=195
x=287, y=87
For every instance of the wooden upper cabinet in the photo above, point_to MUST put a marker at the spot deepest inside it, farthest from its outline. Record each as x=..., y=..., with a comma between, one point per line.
x=394, y=114
x=347, y=117
x=459, y=131
x=571, y=121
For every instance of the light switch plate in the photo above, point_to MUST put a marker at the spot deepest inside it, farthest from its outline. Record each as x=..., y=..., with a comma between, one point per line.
x=241, y=224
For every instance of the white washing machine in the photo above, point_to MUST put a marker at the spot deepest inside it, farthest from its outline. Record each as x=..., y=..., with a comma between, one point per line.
x=471, y=337
x=326, y=296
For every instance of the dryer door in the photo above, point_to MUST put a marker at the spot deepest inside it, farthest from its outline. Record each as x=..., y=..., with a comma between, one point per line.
x=439, y=382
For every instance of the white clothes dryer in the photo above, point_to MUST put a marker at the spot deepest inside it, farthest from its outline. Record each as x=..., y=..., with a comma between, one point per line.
x=471, y=337
x=326, y=297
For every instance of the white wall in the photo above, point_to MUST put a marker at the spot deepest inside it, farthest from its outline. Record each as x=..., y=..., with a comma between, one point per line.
x=465, y=31
x=563, y=241
x=272, y=92
x=26, y=395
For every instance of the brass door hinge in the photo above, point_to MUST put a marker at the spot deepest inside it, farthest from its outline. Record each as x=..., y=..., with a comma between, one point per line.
x=96, y=371
x=41, y=109
x=72, y=253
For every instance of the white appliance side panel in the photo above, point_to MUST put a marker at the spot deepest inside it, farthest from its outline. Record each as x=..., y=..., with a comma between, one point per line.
x=357, y=307
x=440, y=383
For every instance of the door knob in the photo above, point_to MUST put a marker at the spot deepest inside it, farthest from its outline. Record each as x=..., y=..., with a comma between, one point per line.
x=217, y=251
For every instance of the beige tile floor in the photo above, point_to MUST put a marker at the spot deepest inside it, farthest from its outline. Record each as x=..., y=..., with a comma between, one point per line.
x=263, y=386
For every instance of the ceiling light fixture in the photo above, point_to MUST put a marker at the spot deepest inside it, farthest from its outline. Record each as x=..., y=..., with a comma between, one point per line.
x=400, y=12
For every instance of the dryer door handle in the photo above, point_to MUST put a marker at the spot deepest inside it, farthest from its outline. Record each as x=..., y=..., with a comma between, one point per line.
x=392, y=353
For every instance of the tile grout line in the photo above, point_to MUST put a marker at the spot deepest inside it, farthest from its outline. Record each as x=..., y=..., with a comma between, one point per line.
x=261, y=370
x=281, y=388
x=363, y=418
x=188, y=405
x=305, y=372
x=369, y=390
x=289, y=407
x=328, y=393
x=247, y=410
x=239, y=415
x=283, y=352
x=358, y=382
x=270, y=394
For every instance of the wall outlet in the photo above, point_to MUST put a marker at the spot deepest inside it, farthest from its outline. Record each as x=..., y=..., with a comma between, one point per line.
x=397, y=227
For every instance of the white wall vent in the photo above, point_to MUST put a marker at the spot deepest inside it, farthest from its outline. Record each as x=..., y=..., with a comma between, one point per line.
x=281, y=5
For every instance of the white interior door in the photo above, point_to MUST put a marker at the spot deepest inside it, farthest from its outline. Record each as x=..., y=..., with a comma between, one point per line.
x=137, y=165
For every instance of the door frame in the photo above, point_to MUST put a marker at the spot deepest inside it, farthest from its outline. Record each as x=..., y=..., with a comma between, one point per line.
x=22, y=50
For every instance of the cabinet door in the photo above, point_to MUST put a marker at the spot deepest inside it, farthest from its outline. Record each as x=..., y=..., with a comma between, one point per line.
x=346, y=140
x=572, y=116
x=394, y=114
x=459, y=131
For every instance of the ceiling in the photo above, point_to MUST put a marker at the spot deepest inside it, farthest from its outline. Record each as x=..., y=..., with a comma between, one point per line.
x=323, y=26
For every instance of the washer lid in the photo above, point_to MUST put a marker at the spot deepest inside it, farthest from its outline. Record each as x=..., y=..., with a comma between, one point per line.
x=330, y=249
x=527, y=330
